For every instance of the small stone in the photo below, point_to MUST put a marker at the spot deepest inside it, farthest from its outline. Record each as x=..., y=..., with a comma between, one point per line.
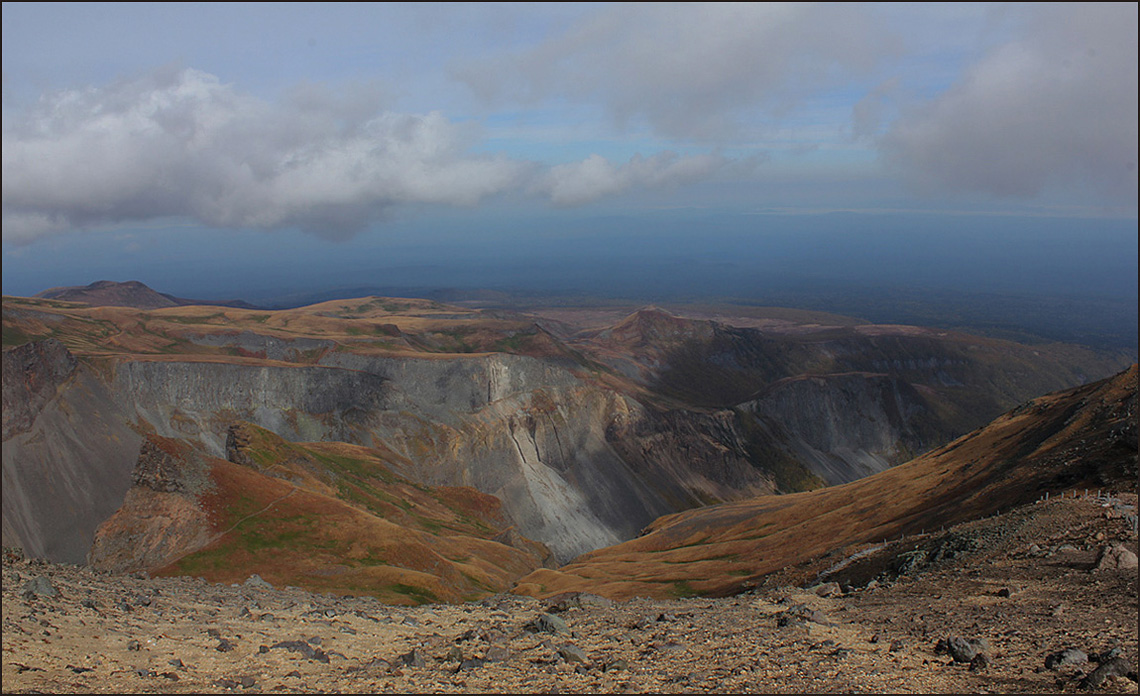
x=1107, y=655
x=547, y=623
x=961, y=649
x=1116, y=667
x=1068, y=656
x=134, y=646
x=472, y=663
x=1004, y=592
x=1114, y=557
x=415, y=658
x=308, y=651
x=572, y=653
x=39, y=586
x=256, y=581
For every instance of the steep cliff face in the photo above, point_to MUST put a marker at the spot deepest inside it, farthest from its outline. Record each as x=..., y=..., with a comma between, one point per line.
x=258, y=345
x=188, y=399
x=519, y=428
x=32, y=374
x=68, y=452
x=444, y=389
x=847, y=426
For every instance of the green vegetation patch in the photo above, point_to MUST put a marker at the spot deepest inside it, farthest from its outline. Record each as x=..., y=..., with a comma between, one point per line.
x=787, y=473
x=208, y=319
x=682, y=589
x=420, y=595
x=15, y=337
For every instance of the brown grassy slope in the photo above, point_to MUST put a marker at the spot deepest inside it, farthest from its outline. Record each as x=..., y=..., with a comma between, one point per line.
x=1085, y=437
x=372, y=325
x=327, y=517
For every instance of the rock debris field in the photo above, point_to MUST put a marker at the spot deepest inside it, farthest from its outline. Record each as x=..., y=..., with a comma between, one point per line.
x=1044, y=601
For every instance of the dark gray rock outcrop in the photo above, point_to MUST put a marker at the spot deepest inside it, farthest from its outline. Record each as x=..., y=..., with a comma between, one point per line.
x=33, y=373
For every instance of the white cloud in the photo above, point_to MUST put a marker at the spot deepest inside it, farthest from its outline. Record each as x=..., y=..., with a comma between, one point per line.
x=594, y=177
x=180, y=143
x=1057, y=106
x=691, y=70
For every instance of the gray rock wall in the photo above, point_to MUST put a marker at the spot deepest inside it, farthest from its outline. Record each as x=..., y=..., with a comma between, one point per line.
x=847, y=426
x=68, y=470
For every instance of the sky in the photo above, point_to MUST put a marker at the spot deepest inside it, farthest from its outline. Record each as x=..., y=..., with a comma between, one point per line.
x=222, y=148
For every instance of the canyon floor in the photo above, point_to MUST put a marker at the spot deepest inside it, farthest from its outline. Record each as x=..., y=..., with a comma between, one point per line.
x=1029, y=584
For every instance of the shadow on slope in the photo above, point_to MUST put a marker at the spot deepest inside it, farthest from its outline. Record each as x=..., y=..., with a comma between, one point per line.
x=1067, y=440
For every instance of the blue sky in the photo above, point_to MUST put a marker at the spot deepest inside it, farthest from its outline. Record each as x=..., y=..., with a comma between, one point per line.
x=143, y=140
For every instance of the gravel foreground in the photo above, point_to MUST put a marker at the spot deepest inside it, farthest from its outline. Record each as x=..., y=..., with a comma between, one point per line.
x=1032, y=594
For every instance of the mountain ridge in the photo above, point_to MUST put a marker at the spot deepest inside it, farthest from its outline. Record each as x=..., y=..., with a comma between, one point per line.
x=131, y=293
x=582, y=453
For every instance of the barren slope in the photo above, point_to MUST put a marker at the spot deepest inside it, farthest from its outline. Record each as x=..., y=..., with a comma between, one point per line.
x=1027, y=585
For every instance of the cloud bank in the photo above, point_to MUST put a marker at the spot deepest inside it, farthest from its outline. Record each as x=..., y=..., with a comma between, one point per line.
x=690, y=70
x=1055, y=106
x=180, y=143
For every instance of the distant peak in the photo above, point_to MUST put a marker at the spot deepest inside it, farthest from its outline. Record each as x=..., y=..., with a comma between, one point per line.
x=101, y=284
x=652, y=315
x=131, y=293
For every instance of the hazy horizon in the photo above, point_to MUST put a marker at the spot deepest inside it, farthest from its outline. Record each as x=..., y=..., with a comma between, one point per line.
x=761, y=152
